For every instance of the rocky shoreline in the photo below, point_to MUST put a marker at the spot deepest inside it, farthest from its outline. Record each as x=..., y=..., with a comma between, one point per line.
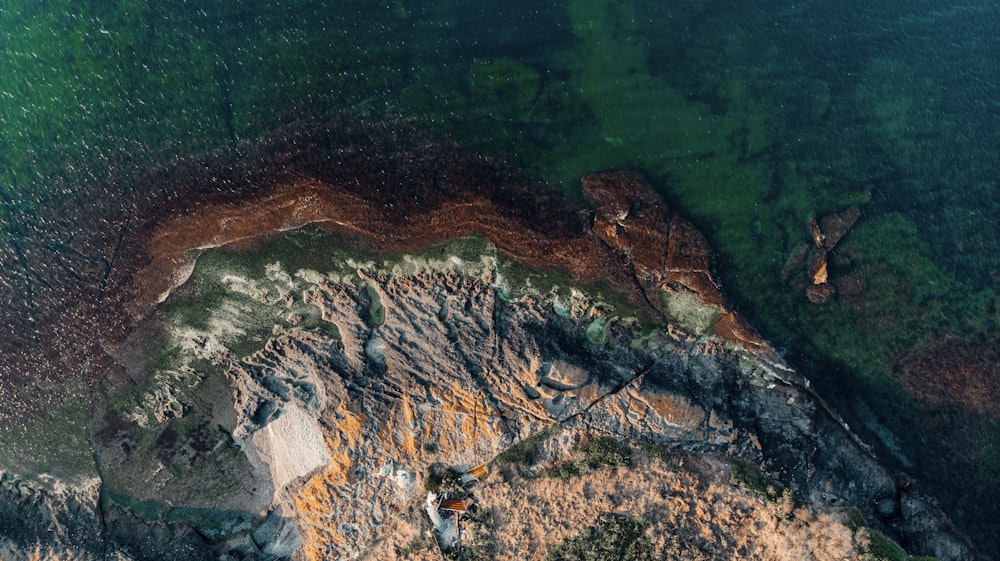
x=400, y=361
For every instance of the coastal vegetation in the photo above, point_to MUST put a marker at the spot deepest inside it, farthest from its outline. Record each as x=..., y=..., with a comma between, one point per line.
x=615, y=537
x=600, y=452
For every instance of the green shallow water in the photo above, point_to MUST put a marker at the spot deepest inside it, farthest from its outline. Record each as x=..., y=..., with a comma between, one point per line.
x=749, y=117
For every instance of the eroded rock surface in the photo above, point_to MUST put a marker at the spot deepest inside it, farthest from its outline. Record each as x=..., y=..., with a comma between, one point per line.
x=669, y=258
x=406, y=368
x=294, y=410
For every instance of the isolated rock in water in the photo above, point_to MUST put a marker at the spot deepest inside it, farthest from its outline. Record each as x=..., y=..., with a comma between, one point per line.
x=817, y=234
x=794, y=260
x=817, y=267
x=836, y=226
x=826, y=234
x=820, y=293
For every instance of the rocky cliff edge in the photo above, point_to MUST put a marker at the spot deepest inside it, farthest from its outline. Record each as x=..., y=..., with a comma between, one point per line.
x=296, y=407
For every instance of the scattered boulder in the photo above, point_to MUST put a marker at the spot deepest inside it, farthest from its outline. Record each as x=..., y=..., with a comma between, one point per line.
x=826, y=234
x=820, y=293
x=836, y=226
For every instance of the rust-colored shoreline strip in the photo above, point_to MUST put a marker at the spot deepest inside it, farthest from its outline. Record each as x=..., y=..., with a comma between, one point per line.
x=384, y=184
x=653, y=244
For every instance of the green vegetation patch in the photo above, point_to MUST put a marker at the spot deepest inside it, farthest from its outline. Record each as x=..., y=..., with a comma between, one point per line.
x=881, y=548
x=442, y=479
x=595, y=454
x=689, y=311
x=238, y=297
x=524, y=453
x=211, y=523
x=664, y=454
x=874, y=545
x=752, y=478
x=596, y=331
x=148, y=510
x=616, y=537
x=376, y=310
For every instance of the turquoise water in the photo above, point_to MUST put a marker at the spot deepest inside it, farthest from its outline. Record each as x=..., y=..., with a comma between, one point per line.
x=751, y=117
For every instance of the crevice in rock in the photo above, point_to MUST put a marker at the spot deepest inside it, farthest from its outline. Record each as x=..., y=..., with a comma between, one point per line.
x=613, y=392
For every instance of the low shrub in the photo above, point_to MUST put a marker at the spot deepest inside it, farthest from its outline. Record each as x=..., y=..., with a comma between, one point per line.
x=880, y=548
x=615, y=538
x=605, y=452
x=751, y=478
x=595, y=454
x=523, y=454
x=442, y=479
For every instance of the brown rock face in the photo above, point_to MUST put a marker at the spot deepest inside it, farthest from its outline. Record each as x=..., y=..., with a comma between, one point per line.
x=817, y=266
x=639, y=241
x=529, y=227
x=631, y=218
x=664, y=249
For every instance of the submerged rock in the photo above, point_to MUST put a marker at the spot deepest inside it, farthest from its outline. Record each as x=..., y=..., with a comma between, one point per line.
x=820, y=293
x=826, y=233
x=836, y=226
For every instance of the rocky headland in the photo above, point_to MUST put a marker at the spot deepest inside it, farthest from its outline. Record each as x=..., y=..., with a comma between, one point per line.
x=287, y=395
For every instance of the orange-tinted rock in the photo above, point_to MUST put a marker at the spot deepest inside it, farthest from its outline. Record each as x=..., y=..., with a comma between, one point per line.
x=816, y=267
x=821, y=275
x=631, y=218
x=817, y=234
x=638, y=239
x=538, y=233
